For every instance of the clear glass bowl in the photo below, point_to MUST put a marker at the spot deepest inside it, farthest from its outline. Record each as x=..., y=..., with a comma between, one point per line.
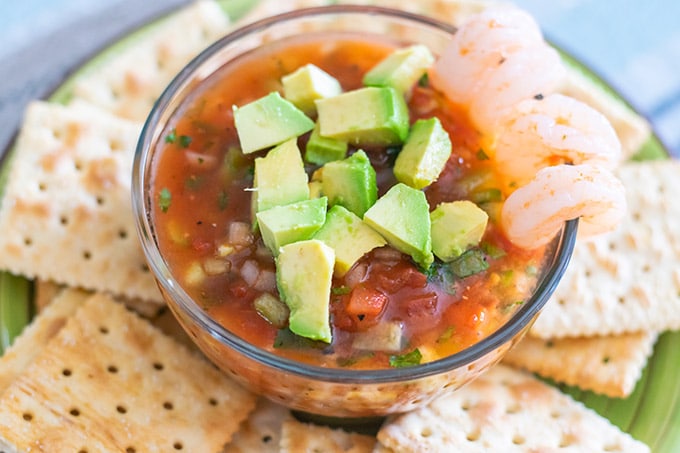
x=313, y=389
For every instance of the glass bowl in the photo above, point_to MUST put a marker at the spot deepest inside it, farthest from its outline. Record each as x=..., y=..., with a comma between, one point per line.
x=327, y=392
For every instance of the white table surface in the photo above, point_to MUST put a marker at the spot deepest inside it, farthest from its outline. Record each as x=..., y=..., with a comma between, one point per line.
x=632, y=44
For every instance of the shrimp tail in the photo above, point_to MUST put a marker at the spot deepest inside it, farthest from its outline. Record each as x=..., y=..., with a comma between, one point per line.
x=533, y=214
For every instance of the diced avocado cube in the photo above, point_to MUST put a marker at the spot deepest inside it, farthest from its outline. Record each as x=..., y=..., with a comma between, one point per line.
x=401, y=69
x=349, y=236
x=304, y=274
x=402, y=217
x=371, y=115
x=351, y=183
x=293, y=222
x=269, y=121
x=424, y=154
x=279, y=178
x=307, y=84
x=456, y=226
x=322, y=149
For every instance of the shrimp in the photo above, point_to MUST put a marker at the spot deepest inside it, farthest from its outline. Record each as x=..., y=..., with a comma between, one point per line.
x=495, y=59
x=533, y=214
x=555, y=130
x=533, y=71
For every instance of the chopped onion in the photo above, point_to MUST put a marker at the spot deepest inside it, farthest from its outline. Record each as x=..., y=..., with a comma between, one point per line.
x=215, y=266
x=385, y=336
x=266, y=281
x=387, y=253
x=250, y=272
x=200, y=160
x=356, y=275
x=240, y=234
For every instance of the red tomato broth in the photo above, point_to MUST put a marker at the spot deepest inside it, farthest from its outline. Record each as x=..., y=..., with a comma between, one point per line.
x=208, y=177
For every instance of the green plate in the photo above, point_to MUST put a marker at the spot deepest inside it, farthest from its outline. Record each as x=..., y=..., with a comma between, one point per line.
x=651, y=414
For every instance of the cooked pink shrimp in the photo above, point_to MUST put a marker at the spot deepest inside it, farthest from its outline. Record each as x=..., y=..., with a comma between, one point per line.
x=533, y=214
x=495, y=59
x=533, y=71
x=555, y=130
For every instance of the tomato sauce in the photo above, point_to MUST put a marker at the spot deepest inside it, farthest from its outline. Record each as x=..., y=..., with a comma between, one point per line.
x=202, y=217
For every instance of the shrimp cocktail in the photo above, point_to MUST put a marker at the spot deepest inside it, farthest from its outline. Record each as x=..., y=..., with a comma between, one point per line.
x=369, y=203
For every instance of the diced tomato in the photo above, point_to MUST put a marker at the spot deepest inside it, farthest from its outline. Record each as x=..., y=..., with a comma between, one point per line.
x=239, y=289
x=201, y=245
x=469, y=317
x=404, y=274
x=366, y=301
x=422, y=305
x=362, y=308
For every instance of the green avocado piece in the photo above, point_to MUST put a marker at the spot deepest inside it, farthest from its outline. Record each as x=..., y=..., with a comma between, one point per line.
x=424, y=154
x=307, y=84
x=349, y=236
x=350, y=182
x=402, y=217
x=279, y=178
x=269, y=121
x=320, y=150
x=293, y=222
x=401, y=69
x=304, y=274
x=456, y=226
x=367, y=116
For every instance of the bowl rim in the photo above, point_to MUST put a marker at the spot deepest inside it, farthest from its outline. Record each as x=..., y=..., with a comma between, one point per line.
x=521, y=319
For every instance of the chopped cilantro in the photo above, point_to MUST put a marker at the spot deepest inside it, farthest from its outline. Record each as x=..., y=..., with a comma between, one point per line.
x=424, y=80
x=471, y=262
x=481, y=155
x=507, y=308
x=164, y=199
x=440, y=273
x=446, y=336
x=492, y=250
x=285, y=339
x=184, y=141
x=171, y=137
x=349, y=361
x=340, y=290
x=409, y=359
x=486, y=195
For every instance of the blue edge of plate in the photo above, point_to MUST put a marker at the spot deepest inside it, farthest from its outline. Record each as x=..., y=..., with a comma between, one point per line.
x=651, y=413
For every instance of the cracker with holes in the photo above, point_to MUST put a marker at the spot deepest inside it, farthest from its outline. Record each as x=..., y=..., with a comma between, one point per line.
x=505, y=410
x=607, y=365
x=297, y=436
x=66, y=213
x=261, y=432
x=119, y=384
x=130, y=81
x=628, y=280
x=34, y=338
